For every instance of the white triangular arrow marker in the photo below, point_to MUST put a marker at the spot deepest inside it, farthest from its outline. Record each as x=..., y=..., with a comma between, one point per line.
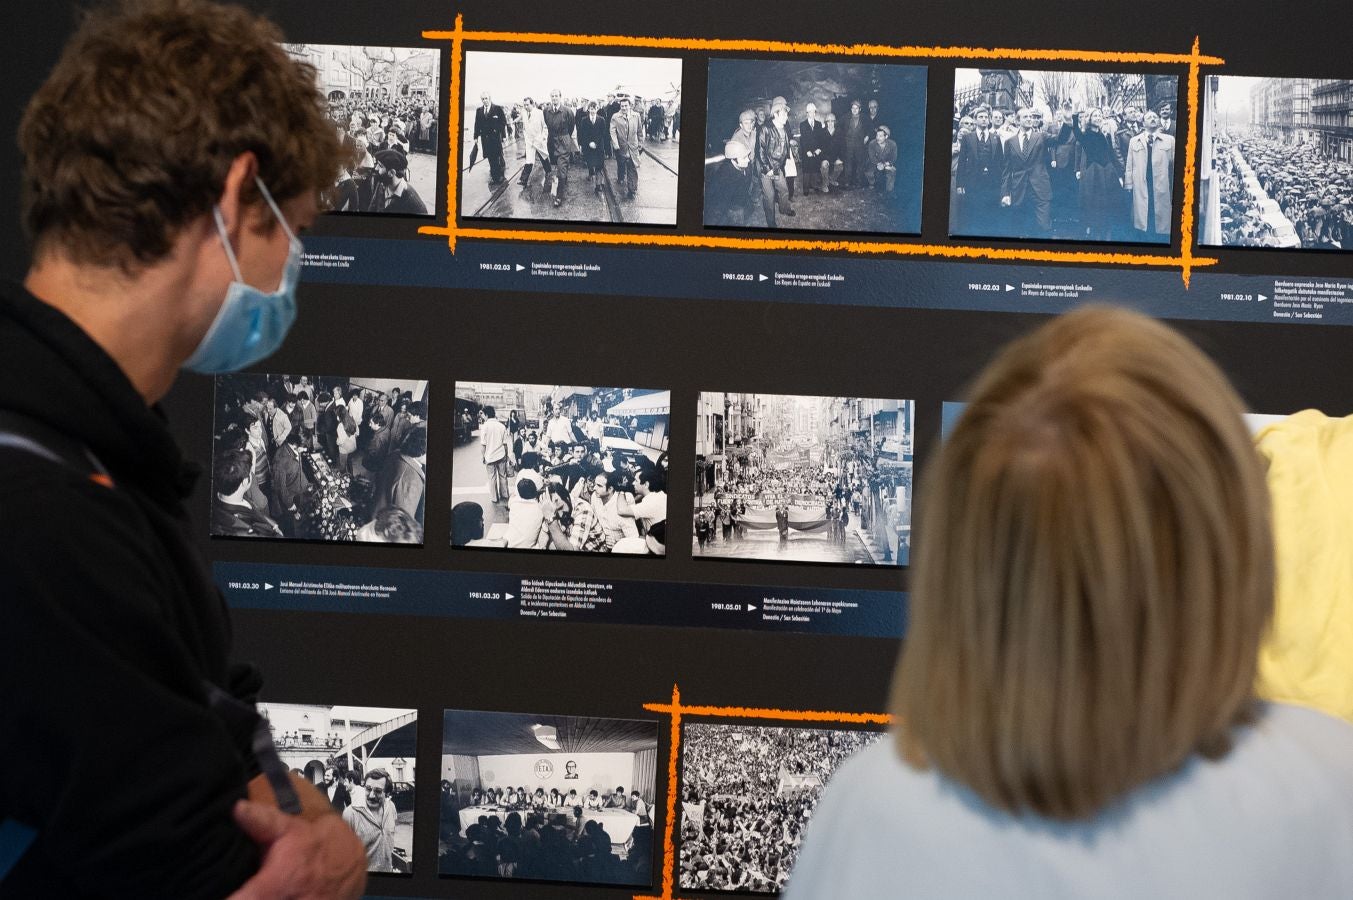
x=520, y=267
x=760, y=277
x=1009, y=287
x=266, y=586
x=509, y=596
x=1262, y=298
x=751, y=607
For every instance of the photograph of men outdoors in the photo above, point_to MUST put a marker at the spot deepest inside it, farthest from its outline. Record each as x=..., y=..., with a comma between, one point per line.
x=560, y=467
x=803, y=479
x=815, y=146
x=563, y=137
x=1277, y=163
x=362, y=759
x=1067, y=156
x=383, y=101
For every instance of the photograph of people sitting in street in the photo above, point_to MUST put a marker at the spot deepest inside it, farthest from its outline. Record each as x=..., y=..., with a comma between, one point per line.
x=548, y=797
x=814, y=146
x=569, y=138
x=803, y=479
x=319, y=458
x=1277, y=166
x=383, y=101
x=560, y=467
x=1064, y=156
x=361, y=758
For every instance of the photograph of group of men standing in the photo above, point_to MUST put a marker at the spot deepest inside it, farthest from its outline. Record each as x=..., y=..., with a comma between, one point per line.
x=814, y=146
x=1063, y=156
x=580, y=138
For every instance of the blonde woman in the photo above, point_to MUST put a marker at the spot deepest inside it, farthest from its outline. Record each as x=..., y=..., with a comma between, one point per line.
x=1075, y=698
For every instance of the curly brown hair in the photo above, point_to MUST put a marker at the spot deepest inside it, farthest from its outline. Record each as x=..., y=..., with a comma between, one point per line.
x=133, y=133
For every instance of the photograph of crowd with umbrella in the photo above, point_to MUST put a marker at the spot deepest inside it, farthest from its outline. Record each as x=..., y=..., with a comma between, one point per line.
x=1277, y=163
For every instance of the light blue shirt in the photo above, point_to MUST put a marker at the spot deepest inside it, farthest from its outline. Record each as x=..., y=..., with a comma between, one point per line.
x=1272, y=819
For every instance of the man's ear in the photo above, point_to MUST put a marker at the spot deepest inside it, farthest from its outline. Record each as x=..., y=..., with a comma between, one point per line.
x=239, y=180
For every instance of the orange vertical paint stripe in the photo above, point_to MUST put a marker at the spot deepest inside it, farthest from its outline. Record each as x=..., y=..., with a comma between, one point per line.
x=453, y=127
x=1190, y=171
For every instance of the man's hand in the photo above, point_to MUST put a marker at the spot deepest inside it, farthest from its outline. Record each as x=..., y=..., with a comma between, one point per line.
x=314, y=859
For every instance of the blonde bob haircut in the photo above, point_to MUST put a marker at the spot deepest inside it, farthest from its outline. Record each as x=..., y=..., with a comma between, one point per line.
x=1094, y=573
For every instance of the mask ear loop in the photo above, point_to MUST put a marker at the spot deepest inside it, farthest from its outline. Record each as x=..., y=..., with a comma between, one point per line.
x=272, y=204
x=225, y=242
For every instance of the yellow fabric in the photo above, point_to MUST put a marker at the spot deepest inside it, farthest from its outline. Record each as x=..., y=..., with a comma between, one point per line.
x=1308, y=658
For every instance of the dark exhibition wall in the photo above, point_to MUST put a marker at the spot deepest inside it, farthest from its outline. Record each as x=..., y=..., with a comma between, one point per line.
x=789, y=394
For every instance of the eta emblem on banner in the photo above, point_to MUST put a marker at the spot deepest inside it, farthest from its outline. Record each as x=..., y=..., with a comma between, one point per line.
x=544, y=769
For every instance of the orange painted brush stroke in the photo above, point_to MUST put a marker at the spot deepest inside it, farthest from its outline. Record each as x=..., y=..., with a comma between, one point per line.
x=1190, y=172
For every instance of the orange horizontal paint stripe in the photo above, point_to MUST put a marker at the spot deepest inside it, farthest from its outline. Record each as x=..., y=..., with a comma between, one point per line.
x=955, y=251
x=790, y=715
x=762, y=46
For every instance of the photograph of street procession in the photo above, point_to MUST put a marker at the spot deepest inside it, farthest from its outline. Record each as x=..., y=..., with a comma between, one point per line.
x=560, y=467
x=803, y=479
x=570, y=138
x=1277, y=166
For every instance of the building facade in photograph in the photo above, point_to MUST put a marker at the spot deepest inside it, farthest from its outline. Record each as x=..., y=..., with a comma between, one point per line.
x=1332, y=116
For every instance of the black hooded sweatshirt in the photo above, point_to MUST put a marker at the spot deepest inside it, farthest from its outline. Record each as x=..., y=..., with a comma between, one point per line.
x=114, y=634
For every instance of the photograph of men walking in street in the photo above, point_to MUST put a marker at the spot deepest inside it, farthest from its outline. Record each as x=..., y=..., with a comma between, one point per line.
x=1067, y=156
x=560, y=467
x=570, y=138
x=383, y=101
x=814, y=146
x=803, y=479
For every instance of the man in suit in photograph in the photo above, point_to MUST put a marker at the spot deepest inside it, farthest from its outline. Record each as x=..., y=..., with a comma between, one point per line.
x=977, y=181
x=490, y=127
x=1026, y=187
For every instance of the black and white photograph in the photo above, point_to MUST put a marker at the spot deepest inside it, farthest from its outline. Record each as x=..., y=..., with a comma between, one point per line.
x=1277, y=168
x=812, y=145
x=803, y=479
x=747, y=794
x=548, y=797
x=383, y=101
x=315, y=458
x=1063, y=156
x=362, y=759
x=570, y=138
x=561, y=468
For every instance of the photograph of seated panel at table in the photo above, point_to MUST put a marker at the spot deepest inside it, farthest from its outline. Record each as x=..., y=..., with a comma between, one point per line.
x=319, y=458
x=566, y=137
x=560, y=467
x=545, y=797
x=747, y=794
x=362, y=759
x=1277, y=168
x=803, y=479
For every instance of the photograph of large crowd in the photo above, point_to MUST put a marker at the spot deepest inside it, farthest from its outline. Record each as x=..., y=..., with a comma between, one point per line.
x=747, y=794
x=560, y=467
x=803, y=479
x=361, y=758
x=383, y=101
x=548, y=798
x=568, y=137
x=1067, y=156
x=319, y=458
x=814, y=146
x=1277, y=164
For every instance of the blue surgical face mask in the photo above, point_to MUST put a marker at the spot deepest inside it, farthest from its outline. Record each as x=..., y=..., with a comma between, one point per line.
x=251, y=323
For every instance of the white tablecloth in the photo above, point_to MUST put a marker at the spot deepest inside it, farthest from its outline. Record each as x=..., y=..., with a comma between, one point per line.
x=619, y=823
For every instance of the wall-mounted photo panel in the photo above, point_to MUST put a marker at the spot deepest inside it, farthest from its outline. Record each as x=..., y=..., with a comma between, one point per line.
x=815, y=146
x=384, y=102
x=570, y=138
x=1277, y=168
x=803, y=479
x=319, y=458
x=547, y=797
x=747, y=794
x=560, y=467
x=362, y=759
x=1067, y=156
